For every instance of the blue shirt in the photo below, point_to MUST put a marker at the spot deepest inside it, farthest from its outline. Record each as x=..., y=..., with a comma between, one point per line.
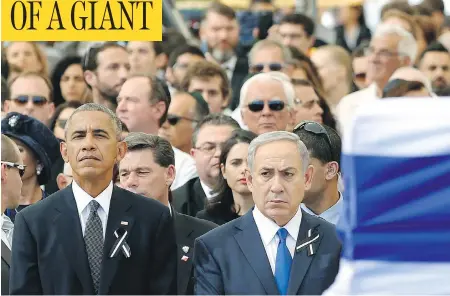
x=331, y=215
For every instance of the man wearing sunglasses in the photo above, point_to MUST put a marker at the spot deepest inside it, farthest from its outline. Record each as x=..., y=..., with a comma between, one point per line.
x=324, y=146
x=12, y=170
x=267, y=102
x=185, y=112
x=31, y=94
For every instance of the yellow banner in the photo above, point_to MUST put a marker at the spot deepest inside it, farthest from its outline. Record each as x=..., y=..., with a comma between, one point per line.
x=81, y=20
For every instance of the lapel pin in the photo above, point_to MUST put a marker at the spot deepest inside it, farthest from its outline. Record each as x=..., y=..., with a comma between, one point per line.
x=184, y=258
x=185, y=249
x=308, y=242
x=124, y=223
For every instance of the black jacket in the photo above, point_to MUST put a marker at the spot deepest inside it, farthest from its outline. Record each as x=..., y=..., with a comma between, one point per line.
x=189, y=198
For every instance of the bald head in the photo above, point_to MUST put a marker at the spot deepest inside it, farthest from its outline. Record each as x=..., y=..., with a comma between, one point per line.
x=411, y=74
x=10, y=152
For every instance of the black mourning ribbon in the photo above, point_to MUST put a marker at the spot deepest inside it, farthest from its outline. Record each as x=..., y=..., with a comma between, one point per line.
x=308, y=243
x=120, y=244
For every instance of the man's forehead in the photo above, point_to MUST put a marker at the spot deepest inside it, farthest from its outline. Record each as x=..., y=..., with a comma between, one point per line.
x=112, y=54
x=30, y=82
x=89, y=120
x=137, y=159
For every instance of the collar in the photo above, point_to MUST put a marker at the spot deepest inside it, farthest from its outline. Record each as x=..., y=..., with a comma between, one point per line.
x=268, y=228
x=332, y=214
x=207, y=190
x=82, y=198
x=230, y=64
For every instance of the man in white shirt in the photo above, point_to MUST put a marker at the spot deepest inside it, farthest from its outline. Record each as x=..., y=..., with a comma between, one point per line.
x=93, y=237
x=142, y=105
x=302, y=250
x=391, y=47
x=323, y=199
x=12, y=170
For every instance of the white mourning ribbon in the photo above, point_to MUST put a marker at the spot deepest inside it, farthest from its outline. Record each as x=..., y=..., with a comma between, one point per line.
x=120, y=244
x=308, y=243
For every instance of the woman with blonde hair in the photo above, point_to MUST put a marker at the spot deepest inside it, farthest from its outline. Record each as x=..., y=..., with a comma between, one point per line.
x=28, y=56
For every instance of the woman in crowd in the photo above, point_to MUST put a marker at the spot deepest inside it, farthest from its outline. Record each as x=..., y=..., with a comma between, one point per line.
x=68, y=81
x=353, y=29
x=27, y=56
x=60, y=117
x=234, y=199
x=39, y=149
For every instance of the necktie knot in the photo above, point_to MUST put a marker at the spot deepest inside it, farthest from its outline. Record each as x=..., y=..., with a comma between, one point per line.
x=94, y=205
x=282, y=234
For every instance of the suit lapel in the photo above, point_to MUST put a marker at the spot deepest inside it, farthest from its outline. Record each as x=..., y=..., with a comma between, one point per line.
x=183, y=233
x=251, y=245
x=68, y=225
x=6, y=253
x=301, y=260
x=199, y=195
x=117, y=213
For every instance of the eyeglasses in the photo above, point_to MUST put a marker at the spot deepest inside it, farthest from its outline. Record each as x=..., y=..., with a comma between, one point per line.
x=174, y=119
x=382, y=53
x=315, y=128
x=257, y=68
x=37, y=100
x=257, y=106
x=209, y=147
x=61, y=123
x=301, y=82
x=20, y=167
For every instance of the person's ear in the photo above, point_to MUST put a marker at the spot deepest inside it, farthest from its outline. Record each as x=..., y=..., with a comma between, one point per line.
x=4, y=173
x=122, y=149
x=332, y=170
x=61, y=181
x=170, y=175
x=222, y=169
x=160, y=109
x=249, y=178
x=63, y=150
x=309, y=177
x=90, y=78
x=161, y=61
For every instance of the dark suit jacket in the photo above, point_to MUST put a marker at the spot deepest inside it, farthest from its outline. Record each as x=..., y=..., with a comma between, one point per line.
x=187, y=229
x=364, y=35
x=49, y=256
x=6, y=263
x=237, y=80
x=232, y=259
x=189, y=198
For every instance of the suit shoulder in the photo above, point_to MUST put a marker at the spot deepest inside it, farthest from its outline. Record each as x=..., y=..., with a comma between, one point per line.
x=327, y=228
x=142, y=201
x=185, y=188
x=198, y=224
x=221, y=233
x=42, y=207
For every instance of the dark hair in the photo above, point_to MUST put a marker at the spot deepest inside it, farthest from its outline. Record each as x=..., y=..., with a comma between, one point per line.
x=215, y=120
x=300, y=19
x=58, y=72
x=206, y=70
x=402, y=6
x=399, y=87
x=5, y=67
x=221, y=9
x=171, y=39
x=422, y=10
x=60, y=109
x=435, y=47
x=201, y=107
x=90, y=60
x=361, y=18
x=359, y=51
x=224, y=201
x=428, y=28
x=434, y=5
x=318, y=146
x=162, y=151
x=5, y=92
x=183, y=49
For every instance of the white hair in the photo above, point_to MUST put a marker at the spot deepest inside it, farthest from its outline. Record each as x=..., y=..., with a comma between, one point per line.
x=285, y=81
x=274, y=137
x=269, y=43
x=407, y=44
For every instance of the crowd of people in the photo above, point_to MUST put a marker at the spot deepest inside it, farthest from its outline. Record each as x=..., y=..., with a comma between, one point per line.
x=170, y=168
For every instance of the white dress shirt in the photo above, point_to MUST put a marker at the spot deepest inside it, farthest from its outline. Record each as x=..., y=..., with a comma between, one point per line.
x=333, y=213
x=268, y=231
x=185, y=167
x=82, y=198
x=208, y=190
x=237, y=115
x=7, y=237
x=229, y=67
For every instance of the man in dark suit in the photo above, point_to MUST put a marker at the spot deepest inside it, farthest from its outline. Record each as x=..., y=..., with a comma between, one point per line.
x=12, y=169
x=93, y=237
x=207, y=138
x=276, y=248
x=148, y=168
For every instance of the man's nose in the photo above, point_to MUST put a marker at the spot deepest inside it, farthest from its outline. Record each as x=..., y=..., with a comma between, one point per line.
x=276, y=186
x=132, y=181
x=88, y=143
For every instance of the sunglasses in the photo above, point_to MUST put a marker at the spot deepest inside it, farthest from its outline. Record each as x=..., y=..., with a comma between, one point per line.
x=257, y=68
x=257, y=106
x=37, y=100
x=315, y=128
x=174, y=119
x=20, y=167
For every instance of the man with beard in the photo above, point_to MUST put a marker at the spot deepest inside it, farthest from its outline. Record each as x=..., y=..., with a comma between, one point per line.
x=106, y=68
x=435, y=64
x=219, y=33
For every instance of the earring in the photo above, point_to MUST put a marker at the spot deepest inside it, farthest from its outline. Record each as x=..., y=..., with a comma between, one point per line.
x=39, y=169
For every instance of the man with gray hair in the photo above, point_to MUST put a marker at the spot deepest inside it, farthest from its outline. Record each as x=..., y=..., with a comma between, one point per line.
x=267, y=101
x=391, y=47
x=101, y=239
x=303, y=251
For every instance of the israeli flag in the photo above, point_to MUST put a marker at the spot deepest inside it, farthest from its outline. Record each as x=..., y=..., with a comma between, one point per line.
x=396, y=226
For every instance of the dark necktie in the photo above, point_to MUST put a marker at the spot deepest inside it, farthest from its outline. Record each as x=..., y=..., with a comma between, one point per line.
x=93, y=239
x=283, y=263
